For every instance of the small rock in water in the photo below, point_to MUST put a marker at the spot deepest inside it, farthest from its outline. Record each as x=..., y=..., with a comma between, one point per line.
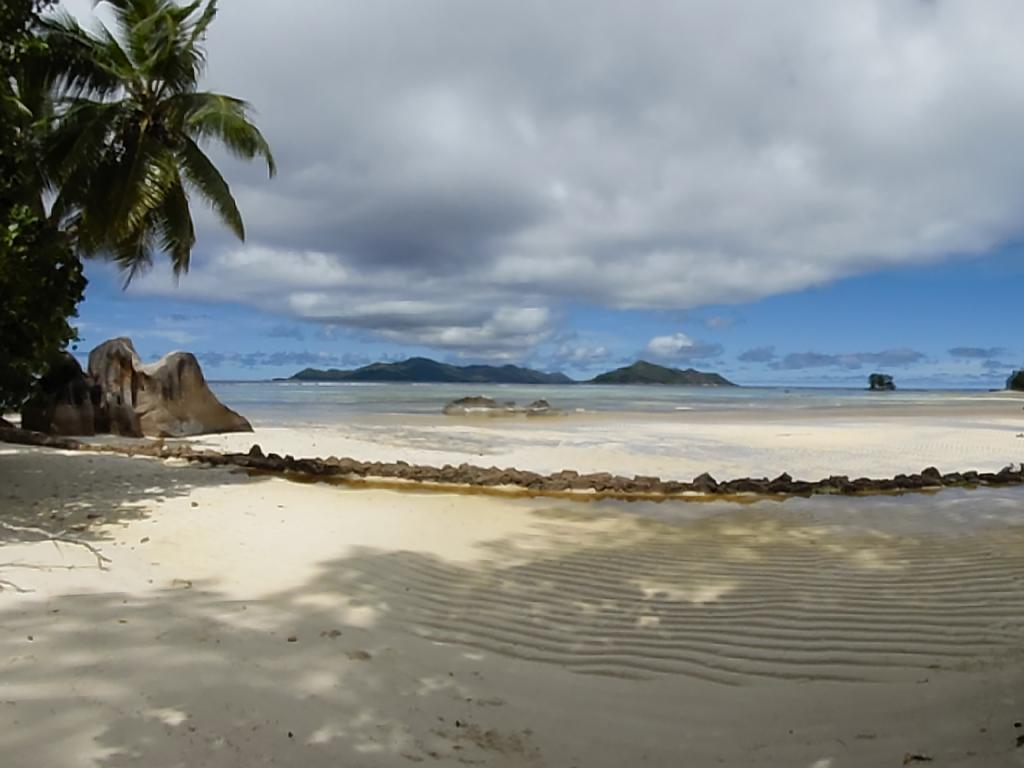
x=911, y=757
x=475, y=404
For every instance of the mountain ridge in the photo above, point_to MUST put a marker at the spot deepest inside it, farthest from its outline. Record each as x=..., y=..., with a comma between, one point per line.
x=643, y=372
x=425, y=370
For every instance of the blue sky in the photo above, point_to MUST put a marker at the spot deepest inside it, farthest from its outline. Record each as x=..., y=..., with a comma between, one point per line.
x=963, y=305
x=789, y=193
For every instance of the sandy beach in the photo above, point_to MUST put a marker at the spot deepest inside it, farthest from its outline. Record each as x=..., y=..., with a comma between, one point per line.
x=981, y=432
x=512, y=385
x=254, y=621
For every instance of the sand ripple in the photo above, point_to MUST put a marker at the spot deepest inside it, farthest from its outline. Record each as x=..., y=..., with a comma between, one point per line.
x=732, y=598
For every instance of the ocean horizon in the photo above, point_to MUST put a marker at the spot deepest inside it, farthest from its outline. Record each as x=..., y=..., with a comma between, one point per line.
x=282, y=403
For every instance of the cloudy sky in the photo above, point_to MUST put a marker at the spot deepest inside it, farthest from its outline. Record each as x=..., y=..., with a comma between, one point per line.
x=786, y=192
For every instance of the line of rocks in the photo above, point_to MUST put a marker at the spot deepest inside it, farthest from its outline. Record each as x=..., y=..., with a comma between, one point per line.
x=566, y=481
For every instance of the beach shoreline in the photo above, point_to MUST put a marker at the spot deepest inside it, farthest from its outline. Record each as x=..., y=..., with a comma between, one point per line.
x=510, y=481
x=187, y=601
x=867, y=436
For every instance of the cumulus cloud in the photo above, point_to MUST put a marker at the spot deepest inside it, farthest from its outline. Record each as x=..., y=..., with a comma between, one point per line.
x=435, y=182
x=758, y=355
x=976, y=353
x=669, y=346
x=573, y=353
x=889, y=357
x=679, y=346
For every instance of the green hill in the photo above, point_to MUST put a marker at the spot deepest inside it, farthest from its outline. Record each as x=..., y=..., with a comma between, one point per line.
x=422, y=369
x=642, y=372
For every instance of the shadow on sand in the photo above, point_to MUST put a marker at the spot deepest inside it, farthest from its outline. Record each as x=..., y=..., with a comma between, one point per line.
x=471, y=663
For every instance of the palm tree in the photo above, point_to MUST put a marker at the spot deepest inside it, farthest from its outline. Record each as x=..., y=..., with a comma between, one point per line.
x=123, y=151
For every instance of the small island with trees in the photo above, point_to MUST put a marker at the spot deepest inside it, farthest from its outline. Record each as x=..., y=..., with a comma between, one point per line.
x=424, y=370
x=881, y=382
x=642, y=372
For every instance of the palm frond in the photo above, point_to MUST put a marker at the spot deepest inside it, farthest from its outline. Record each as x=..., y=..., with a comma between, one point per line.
x=226, y=119
x=80, y=62
x=145, y=171
x=126, y=132
x=177, y=233
x=202, y=23
x=134, y=253
x=75, y=147
x=202, y=174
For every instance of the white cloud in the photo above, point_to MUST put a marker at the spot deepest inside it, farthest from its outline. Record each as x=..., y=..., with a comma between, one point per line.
x=574, y=353
x=669, y=346
x=678, y=347
x=437, y=177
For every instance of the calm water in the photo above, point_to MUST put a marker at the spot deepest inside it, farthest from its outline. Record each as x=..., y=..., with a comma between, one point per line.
x=296, y=403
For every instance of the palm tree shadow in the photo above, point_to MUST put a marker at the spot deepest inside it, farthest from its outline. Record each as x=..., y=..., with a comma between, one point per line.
x=81, y=493
x=77, y=499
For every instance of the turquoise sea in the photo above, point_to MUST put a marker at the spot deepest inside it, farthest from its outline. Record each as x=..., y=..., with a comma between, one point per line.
x=291, y=403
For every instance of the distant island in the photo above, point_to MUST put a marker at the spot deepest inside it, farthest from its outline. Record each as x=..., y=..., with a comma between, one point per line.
x=642, y=372
x=425, y=370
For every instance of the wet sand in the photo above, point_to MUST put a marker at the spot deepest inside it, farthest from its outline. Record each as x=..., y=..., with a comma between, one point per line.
x=983, y=433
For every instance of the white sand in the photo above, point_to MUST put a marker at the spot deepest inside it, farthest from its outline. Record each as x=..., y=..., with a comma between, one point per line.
x=806, y=445
x=463, y=630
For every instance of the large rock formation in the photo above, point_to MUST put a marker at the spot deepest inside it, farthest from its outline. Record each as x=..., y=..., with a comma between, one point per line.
x=880, y=382
x=1016, y=380
x=112, y=367
x=65, y=401
x=169, y=398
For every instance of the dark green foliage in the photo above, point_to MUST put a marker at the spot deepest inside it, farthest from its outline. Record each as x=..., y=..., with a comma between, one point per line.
x=111, y=124
x=41, y=283
x=19, y=47
x=1016, y=381
x=124, y=154
x=880, y=382
x=41, y=279
x=642, y=372
x=422, y=369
